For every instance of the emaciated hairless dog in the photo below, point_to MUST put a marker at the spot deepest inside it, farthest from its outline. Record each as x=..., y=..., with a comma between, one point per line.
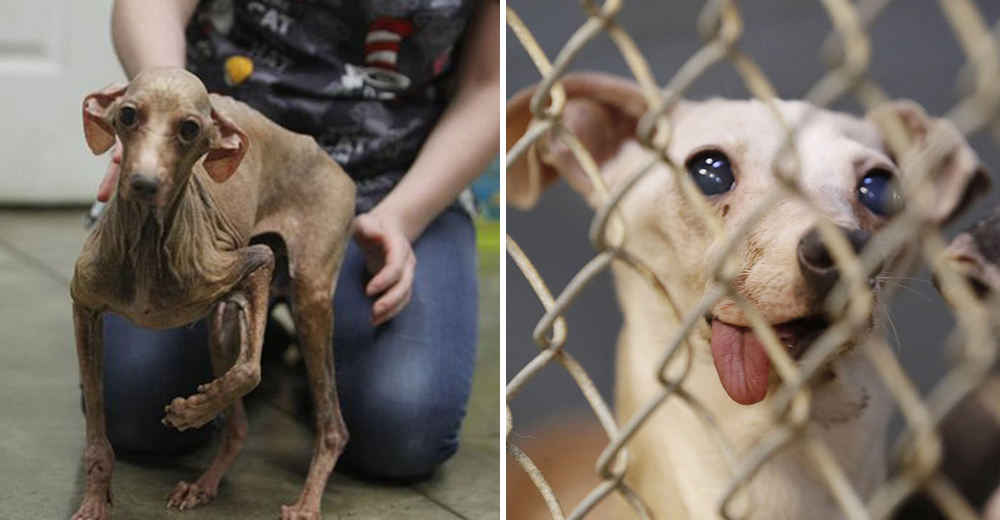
x=201, y=176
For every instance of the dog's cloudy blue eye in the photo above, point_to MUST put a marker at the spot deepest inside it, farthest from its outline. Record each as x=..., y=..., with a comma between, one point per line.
x=712, y=172
x=879, y=192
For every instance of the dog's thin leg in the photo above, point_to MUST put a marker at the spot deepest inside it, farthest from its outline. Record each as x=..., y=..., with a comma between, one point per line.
x=98, y=456
x=314, y=323
x=225, y=322
x=250, y=299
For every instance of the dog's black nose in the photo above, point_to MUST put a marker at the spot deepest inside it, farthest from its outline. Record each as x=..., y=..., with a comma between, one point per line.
x=144, y=186
x=816, y=263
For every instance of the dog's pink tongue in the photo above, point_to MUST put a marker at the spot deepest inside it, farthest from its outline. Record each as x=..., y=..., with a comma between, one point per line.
x=742, y=364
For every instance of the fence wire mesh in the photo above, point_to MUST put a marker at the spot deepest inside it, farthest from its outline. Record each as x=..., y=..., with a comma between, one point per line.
x=916, y=458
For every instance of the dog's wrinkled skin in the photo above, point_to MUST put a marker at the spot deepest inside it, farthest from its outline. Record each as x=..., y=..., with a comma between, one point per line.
x=675, y=465
x=174, y=246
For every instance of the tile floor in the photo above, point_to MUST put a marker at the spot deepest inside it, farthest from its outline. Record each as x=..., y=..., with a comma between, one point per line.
x=41, y=427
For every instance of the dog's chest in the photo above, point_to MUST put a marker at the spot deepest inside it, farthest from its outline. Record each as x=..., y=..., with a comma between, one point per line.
x=166, y=305
x=154, y=288
x=160, y=301
x=676, y=449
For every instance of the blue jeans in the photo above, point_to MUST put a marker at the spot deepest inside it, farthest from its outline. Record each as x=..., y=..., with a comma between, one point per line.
x=403, y=386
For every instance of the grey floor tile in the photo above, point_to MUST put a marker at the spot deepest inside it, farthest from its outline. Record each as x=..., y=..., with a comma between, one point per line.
x=41, y=430
x=470, y=483
x=52, y=238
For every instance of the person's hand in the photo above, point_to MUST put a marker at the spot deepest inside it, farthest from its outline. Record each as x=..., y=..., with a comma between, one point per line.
x=111, y=176
x=391, y=262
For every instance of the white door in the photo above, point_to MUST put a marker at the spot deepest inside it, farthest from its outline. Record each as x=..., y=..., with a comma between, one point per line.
x=52, y=54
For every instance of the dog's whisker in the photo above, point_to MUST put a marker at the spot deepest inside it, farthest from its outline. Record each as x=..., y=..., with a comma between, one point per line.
x=887, y=313
x=892, y=283
x=896, y=276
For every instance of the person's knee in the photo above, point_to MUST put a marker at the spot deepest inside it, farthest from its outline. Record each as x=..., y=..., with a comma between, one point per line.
x=137, y=434
x=144, y=370
x=128, y=433
x=134, y=424
x=403, y=442
x=404, y=385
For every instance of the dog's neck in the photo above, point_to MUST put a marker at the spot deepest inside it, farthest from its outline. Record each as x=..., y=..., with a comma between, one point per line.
x=171, y=245
x=677, y=463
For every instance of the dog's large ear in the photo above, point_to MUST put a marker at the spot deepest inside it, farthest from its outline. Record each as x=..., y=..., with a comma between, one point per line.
x=97, y=127
x=961, y=177
x=601, y=110
x=229, y=146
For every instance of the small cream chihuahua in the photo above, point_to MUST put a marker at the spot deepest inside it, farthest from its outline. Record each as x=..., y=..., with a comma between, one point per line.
x=729, y=149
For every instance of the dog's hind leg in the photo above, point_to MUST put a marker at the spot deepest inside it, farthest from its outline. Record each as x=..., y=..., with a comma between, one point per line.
x=225, y=331
x=313, y=311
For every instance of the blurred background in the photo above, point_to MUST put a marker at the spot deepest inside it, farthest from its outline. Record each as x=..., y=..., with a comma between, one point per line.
x=52, y=54
x=914, y=55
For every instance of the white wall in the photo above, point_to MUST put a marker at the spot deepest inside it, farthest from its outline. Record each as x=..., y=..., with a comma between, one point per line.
x=52, y=53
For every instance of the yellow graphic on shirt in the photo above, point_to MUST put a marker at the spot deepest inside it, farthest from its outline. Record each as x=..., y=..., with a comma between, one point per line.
x=238, y=69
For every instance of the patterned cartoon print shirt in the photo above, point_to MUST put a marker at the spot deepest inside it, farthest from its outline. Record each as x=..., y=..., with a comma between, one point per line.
x=367, y=78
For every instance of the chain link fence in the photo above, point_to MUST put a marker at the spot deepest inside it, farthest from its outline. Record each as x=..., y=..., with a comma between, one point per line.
x=916, y=455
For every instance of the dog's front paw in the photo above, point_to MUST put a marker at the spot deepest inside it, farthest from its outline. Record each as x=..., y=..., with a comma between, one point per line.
x=299, y=512
x=191, y=412
x=93, y=508
x=188, y=496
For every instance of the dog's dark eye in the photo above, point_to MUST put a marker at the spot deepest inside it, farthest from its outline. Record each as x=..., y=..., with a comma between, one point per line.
x=189, y=130
x=712, y=172
x=879, y=192
x=127, y=116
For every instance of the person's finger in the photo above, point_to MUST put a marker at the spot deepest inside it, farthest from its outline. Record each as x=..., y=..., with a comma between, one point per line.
x=395, y=299
x=396, y=251
x=111, y=175
x=107, y=183
x=394, y=311
x=391, y=308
